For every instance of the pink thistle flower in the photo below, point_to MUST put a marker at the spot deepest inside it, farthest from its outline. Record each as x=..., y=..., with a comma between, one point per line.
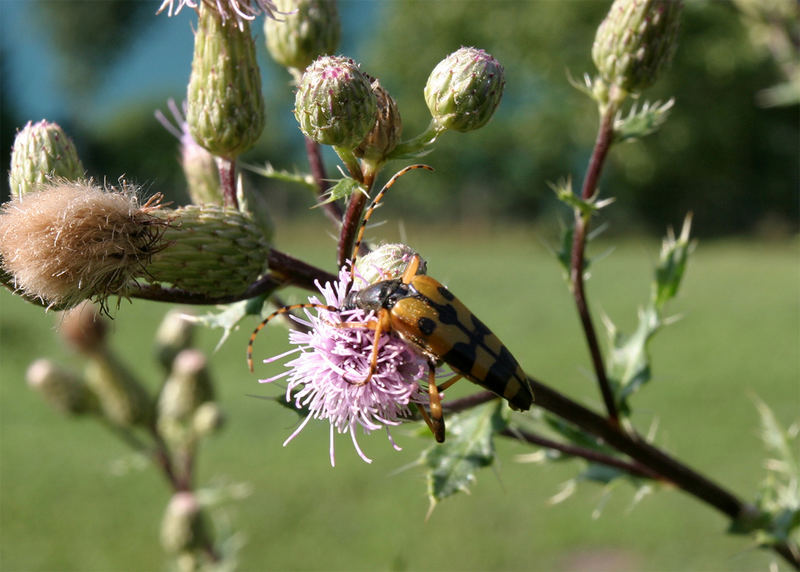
x=237, y=10
x=327, y=376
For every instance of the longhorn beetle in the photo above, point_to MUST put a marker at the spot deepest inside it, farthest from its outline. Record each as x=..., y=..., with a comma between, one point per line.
x=424, y=313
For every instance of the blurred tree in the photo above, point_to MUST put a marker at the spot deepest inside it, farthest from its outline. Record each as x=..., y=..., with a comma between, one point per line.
x=734, y=164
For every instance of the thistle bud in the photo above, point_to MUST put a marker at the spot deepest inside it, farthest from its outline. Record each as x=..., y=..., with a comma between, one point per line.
x=123, y=400
x=173, y=336
x=464, y=89
x=636, y=41
x=187, y=386
x=225, y=109
x=386, y=262
x=309, y=29
x=182, y=528
x=385, y=134
x=210, y=250
x=84, y=328
x=62, y=389
x=207, y=419
x=334, y=104
x=41, y=152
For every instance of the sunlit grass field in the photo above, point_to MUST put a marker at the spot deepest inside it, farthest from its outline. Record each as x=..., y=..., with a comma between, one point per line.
x=64, y=505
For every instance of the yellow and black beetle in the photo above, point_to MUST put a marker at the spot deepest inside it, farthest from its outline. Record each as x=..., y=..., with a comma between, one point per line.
x=425, y=314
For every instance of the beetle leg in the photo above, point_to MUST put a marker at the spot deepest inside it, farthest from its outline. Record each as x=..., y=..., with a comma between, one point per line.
x=380, y=325
x=435, y=404
x=265, y=321
x=411, y=270
x=449, y=382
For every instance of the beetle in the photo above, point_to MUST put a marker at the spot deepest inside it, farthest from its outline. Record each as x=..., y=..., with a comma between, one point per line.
x=424, y=313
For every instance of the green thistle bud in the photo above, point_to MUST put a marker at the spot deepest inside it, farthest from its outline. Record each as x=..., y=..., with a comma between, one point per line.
x=309, y=29
x=385, y=134
x=182, y=528
x=61, y=388
x=386, y=262
x=207, y=419
x=636, y=41
x=123, y=400
x=173, y=336
x=187, y=386
x=209, y=249
x=41, y=152
x=464, y=89
x=225, y=109
x=334, y=104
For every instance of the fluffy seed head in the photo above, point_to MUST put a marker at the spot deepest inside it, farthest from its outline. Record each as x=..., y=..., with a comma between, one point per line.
x=70, y=241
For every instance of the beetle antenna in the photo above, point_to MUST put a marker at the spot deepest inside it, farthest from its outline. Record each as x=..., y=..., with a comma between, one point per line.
x=376, y=201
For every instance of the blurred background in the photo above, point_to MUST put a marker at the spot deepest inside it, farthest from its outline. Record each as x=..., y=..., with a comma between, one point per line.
x=71, y=498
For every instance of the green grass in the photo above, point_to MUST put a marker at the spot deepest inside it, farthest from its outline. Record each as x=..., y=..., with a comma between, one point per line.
x=62, y=507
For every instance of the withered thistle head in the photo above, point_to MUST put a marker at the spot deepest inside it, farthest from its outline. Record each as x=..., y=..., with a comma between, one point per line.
x=72, y=241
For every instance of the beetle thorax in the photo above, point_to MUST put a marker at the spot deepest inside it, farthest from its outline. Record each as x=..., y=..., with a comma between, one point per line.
x=383, y=294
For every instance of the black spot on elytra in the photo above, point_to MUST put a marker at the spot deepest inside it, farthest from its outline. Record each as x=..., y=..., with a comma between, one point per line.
x=426, y=326
x=445, y=293
x=461, y=357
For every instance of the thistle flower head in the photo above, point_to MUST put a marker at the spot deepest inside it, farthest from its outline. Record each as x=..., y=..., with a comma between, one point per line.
x=464, y=89
x=41, y=152
x=310, y=29
x=334, y=360
x=69, y=242
x=386, y=262
x=238, y=11
x=334, y=104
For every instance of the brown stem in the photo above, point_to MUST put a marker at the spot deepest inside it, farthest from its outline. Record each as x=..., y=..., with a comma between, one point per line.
x=285, y=271
x=592, y=455
x=601, y=148
x=313, y=149
x=227, y=179
x=350, y=224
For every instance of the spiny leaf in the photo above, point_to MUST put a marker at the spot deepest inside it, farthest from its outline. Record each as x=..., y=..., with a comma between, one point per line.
x=641, y=122
x=341, y=190
x=229, y=316
x=270, y=172
x=452, y=465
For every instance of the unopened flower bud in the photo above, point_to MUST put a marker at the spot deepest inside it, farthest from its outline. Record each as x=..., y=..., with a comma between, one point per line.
x=309, y=29
x=173, y=336
x=225, y=109
x=334, y=104
x=64, y=390
x=207, y=419
x=84, y=328
x=636, y=41
x=386, y=262
x=385, y=134
x=123, y=400
x=187, y=386
x=464, y=89
x=41, y=152
x=182, y=527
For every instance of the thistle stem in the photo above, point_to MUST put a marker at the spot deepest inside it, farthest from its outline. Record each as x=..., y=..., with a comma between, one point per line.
x=227, y=179
x=352, y=220
x=601, y=147
x=332, y=209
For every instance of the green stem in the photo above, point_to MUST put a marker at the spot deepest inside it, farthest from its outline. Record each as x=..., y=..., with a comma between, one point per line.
x=418, y=143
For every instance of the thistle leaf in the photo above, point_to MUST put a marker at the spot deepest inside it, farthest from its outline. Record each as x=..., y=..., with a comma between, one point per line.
x=229, y=316
x=642, y=121
x=469, y=447
x=341, y=190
